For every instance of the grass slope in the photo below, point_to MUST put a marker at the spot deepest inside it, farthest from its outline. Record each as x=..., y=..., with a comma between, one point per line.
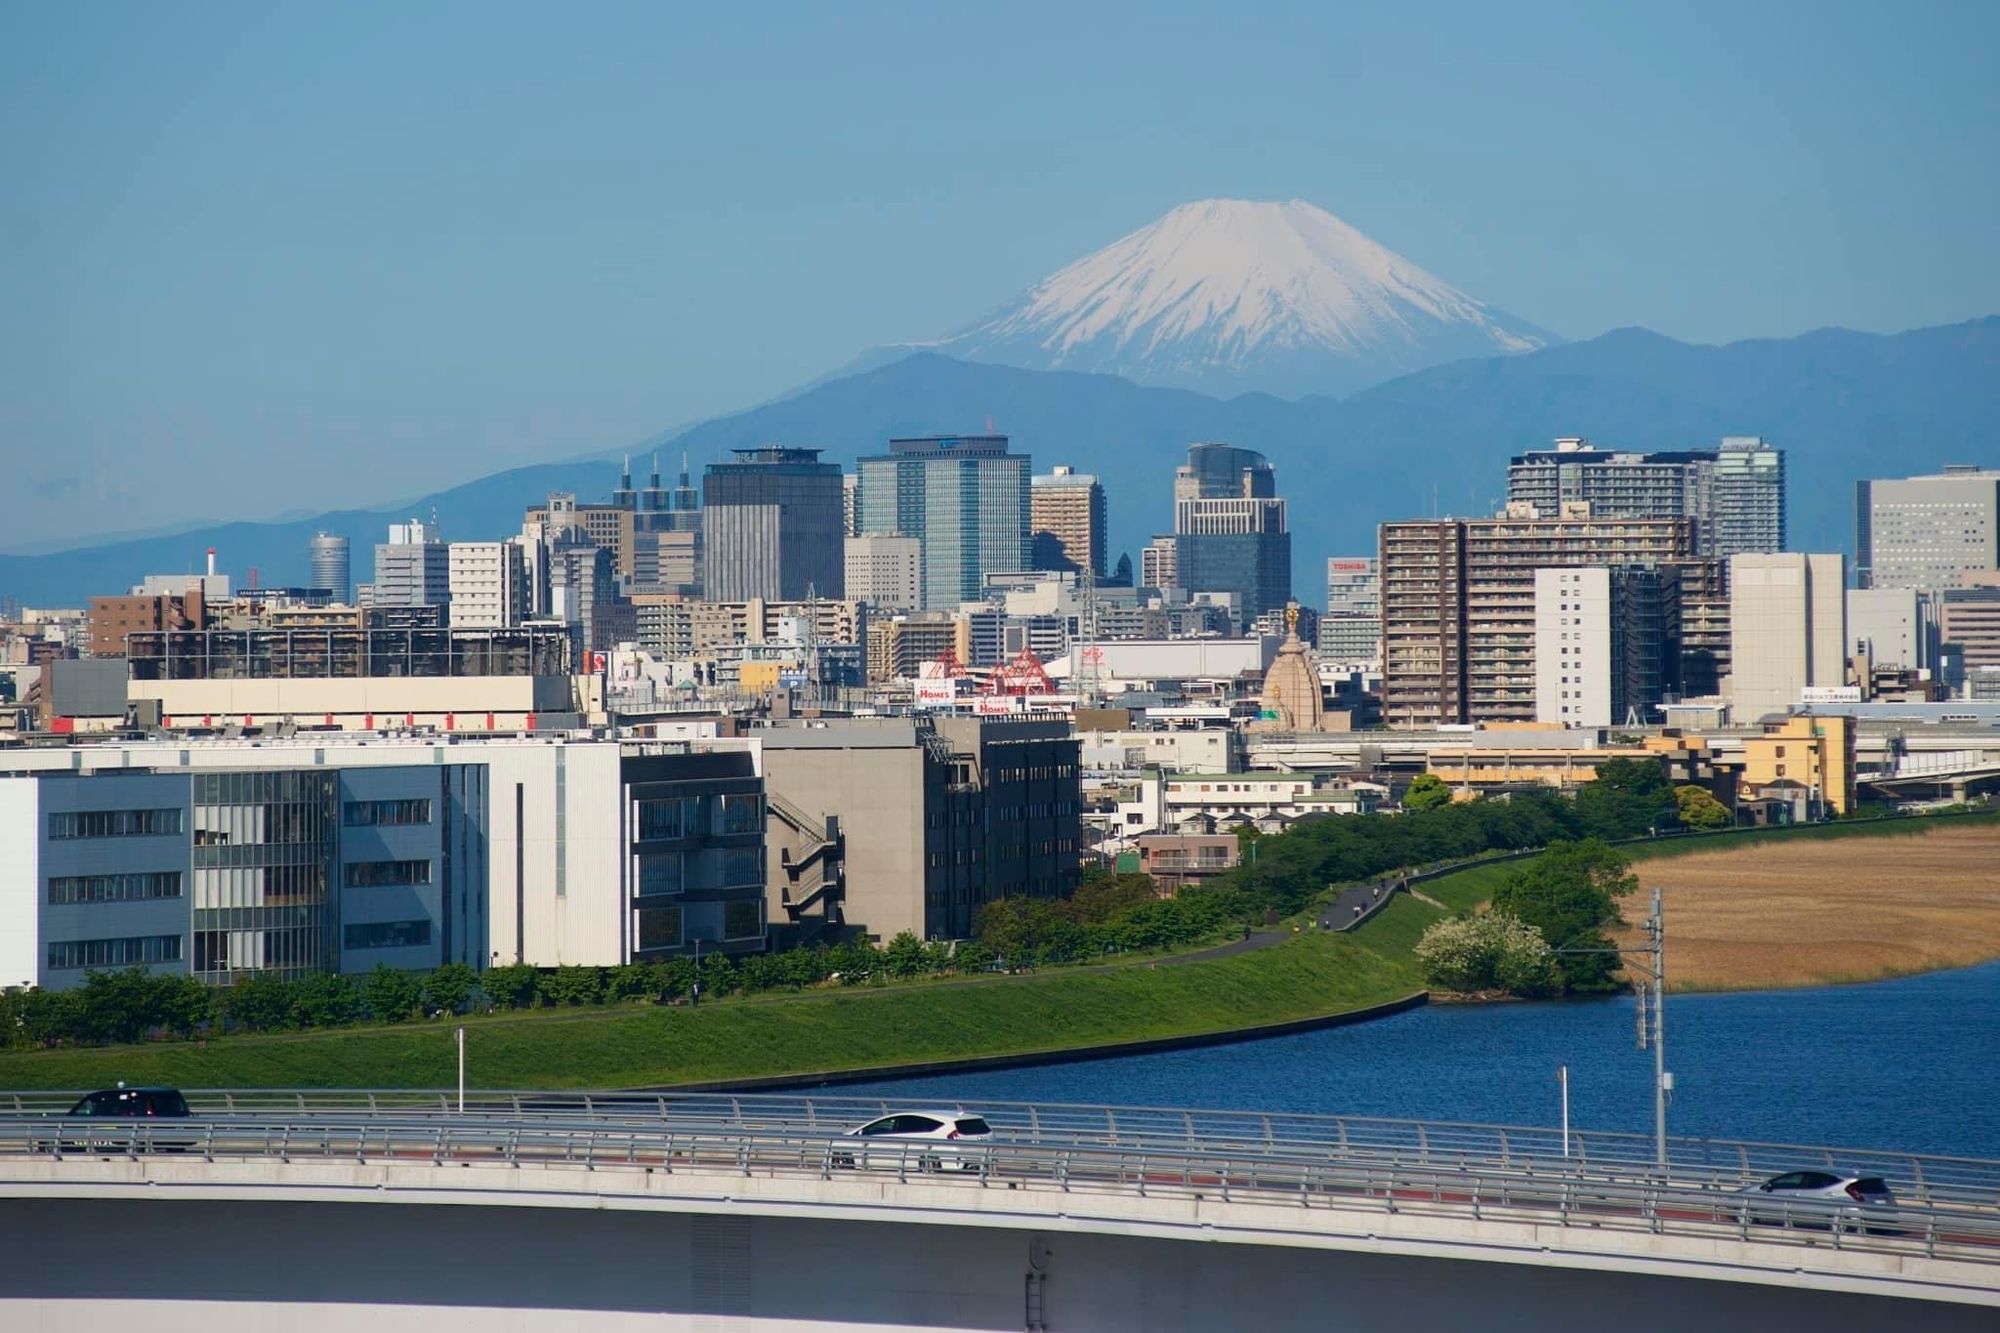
x=815, y=1032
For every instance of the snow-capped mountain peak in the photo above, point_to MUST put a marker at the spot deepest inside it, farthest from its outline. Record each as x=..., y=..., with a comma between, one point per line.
x=1229, y=295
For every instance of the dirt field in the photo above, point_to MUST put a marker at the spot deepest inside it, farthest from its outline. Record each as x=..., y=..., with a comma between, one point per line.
x=1806, y=913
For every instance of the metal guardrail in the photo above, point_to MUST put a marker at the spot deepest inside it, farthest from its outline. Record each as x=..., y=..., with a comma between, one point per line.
x=1915, y=1177
x=1569, y=1195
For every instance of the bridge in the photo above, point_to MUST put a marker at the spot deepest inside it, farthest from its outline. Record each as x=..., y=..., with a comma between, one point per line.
x=719, y=1211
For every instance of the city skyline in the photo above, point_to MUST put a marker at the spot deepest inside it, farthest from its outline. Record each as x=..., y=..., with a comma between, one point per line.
x=216, y=260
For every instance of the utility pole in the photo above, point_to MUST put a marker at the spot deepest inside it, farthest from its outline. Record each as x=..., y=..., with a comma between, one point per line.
x=1652, y=1034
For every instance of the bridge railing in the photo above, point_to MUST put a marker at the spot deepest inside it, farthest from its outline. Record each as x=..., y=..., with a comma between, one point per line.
x=1571, y=1196
x=1914, y=1176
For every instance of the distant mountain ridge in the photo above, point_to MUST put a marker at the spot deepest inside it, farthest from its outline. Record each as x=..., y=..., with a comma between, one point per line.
x=1229, y=296
x=1843, y=406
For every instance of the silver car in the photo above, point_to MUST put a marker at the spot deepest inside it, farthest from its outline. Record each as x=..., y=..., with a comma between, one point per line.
x=1821, y=1200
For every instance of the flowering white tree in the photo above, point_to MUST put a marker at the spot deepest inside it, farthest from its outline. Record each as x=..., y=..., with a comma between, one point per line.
x=1491, y=952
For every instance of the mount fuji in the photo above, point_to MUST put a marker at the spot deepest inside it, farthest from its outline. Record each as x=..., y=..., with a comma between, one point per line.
x=1227, y=296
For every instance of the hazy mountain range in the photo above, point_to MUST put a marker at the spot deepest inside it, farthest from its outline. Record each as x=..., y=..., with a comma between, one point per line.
x=1843, y=405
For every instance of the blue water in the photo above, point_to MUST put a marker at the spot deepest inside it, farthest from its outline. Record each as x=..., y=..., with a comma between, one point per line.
x=1911, y=1064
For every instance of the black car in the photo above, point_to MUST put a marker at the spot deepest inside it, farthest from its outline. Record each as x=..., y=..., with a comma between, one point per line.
x=105, y=1121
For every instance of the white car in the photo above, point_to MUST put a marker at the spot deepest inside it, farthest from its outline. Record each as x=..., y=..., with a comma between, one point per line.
x=923, y=1140
x=1849, y=1200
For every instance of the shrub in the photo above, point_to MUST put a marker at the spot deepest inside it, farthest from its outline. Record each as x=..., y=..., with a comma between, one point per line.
x=574, y=986
x=1486, y=953
x=449, y=988
x=391, y=996
x=514, y=986
x=325, y=1000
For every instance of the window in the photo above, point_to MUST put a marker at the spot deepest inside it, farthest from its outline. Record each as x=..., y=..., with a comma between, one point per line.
x=114, y=824
x=362, y=814
x=129, y=951
x=741, y=866
x=659, y=872
x=386, y=934
x=384, y=874
x=742, y=813
x=659, y=928
x=660, y=819
x=743, y=920
x=114, y=888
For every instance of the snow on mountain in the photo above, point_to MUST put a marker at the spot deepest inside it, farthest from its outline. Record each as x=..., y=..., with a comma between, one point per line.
x=1228, y=296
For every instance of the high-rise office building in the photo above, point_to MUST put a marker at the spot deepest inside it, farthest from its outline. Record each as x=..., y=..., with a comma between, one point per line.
x=771, y=526
x=1925, y=532
x=1606, y=643
x=1067, y=517
x=413, y=568
x=1735, y=493
x=1458, y=604
x=1230, y=530
x=1787, y=630
x=328, y=566
x=963, y=496
x=850, y=504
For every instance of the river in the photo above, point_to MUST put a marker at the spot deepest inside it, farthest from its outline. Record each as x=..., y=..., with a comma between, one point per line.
x=1911, y=1064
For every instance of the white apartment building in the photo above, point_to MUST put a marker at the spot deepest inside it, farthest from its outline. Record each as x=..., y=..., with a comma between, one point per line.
x=1787, y=630
x=489, y=585
x=885, y=572
x=1573, y=647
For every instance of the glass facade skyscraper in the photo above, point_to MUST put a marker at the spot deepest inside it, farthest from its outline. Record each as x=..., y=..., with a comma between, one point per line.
x=1230, y=532
x=964, y=496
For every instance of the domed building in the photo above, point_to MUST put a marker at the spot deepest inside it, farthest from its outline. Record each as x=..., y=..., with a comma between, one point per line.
x=1291, y=699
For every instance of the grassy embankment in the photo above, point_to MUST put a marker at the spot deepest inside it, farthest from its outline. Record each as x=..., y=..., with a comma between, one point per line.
x=832, y=1030
x=1815, y=906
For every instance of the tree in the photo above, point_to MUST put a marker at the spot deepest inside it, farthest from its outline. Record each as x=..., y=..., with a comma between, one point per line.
x=904, y=957
x=325, y=1000
x=1700, y=810
x=513, y=986
x=1570, y=893
x=1628, y=798
x=1106, y=896
x=574, y=985
x=1427, y=791
x=1495, y=951
x=449, y=988
x=261, y=1002
x=391, y=996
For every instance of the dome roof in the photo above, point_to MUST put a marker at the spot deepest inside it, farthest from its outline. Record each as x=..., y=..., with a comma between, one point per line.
x=1291, y=700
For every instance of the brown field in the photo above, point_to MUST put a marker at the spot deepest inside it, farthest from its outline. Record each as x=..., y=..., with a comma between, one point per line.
x=1807, y=913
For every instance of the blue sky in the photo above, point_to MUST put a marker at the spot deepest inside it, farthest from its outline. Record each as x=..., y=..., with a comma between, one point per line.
x=320, y=258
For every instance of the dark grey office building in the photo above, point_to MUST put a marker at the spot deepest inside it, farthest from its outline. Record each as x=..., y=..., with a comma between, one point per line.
x=772, y=526
x=1230, y=532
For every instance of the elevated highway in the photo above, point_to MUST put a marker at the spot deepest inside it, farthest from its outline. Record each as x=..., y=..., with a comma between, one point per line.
x=740, y=1210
